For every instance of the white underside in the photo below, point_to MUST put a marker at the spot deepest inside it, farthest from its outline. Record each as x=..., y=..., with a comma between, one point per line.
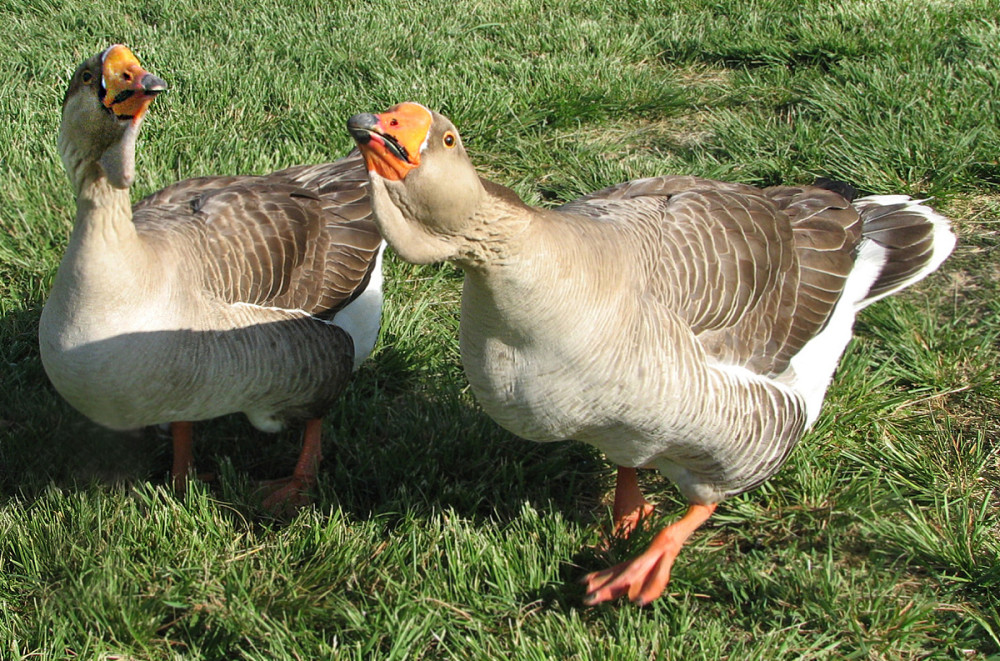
x=811, y=369
x=362, y=317
x=944, y=238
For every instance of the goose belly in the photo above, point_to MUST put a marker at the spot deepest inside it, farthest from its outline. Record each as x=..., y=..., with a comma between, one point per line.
x=715, y=432
x=270, y=371
x=546, y=396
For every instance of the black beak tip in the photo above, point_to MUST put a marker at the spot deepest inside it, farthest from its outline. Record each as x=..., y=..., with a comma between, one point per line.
x=361, y=126
x=152, y=84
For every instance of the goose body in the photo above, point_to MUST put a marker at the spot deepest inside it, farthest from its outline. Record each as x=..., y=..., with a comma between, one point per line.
x=215, y=295
x=678, y=323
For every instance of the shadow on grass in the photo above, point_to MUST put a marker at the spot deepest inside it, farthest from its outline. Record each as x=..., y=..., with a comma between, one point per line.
x=42, y=439
x=402, y=441
x=398, y=441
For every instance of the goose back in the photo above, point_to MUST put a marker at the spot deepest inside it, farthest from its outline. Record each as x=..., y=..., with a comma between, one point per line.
x=297, y=239
x=717, y=310
x=754, y=273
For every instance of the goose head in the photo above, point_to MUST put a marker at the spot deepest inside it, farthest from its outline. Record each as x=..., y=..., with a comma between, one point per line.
x=426, y=193
x=103, y=108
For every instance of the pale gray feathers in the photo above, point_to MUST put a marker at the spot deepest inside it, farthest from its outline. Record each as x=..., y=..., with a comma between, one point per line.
x=658, y=319
x=300, y=238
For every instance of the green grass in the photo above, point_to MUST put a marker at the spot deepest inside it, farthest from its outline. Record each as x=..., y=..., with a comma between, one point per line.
x=435, y=534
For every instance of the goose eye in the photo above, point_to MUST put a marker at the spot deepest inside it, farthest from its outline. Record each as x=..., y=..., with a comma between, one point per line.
x=449, y=139
x=87, y=77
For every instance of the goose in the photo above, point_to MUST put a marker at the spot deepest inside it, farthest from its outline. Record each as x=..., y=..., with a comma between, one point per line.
x=214, y=295
x=677, y=323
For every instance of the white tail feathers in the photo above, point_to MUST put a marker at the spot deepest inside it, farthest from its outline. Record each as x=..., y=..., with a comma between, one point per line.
x=896, y=250
x=884, y=215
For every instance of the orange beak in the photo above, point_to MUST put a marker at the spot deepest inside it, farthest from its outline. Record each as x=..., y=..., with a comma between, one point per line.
x=391, y=142
x=128, y=88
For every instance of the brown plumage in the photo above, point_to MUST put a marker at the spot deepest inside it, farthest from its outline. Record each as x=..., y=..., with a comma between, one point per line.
x=674, y=322
x=215, y=295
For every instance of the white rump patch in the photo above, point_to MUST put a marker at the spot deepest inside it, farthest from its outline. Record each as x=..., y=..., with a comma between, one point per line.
x=811, y=369
x=265, y=421
x=943, y=238
x=363, y=316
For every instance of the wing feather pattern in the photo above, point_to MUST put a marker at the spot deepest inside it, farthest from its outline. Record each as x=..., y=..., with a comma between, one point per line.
x=755, y=273
x=300, y=239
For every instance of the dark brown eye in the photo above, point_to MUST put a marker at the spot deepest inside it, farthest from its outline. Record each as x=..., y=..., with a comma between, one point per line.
x=449, y=139
x=87, y=77
x=393, y=122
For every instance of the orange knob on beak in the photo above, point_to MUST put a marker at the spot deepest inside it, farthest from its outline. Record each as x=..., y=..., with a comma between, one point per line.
x=128, y=88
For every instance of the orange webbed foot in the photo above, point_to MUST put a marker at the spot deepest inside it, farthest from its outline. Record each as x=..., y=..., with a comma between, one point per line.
x=627, y=525
x=631, y=510
x=645, y=577
x=635, y=520
x=287, y=495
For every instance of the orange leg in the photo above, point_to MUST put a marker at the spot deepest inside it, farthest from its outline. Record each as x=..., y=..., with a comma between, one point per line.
x=630, y=508
x=183, y=435
x=290, y=492
x=644, y=578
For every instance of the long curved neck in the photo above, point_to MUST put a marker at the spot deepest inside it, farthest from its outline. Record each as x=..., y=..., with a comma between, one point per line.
x=503, y=224
x=557, y=261
x=103, y=230
x=105, y=259
x=101, y=180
